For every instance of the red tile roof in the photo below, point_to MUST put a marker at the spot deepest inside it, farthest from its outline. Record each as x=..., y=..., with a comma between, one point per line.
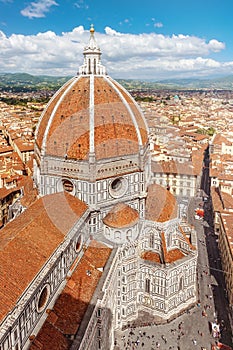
x=221, y=200
x=216, y=201
x=173, y=167
x=170, y=256
x=227, y=219
x=29, y=191
x=27, y=243
x=161, y=205
x=121, y=216
x=166, y=256
x=151, y=256
x=4, y=192
x=115, y=133
x=69, y=309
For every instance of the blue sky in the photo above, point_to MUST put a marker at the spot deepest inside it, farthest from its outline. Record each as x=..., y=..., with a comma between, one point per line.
x=158, y=39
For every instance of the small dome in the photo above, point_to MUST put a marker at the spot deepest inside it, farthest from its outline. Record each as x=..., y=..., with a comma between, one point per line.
x=161, y=205
x=121, y=216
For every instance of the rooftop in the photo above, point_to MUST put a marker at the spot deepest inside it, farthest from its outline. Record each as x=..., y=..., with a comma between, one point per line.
x=34, y=235
x=66, y=316
x=161, y=205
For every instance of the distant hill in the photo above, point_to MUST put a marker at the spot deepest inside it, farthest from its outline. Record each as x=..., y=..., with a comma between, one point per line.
x=27, y=82
x=17, y=82
x=222, y=83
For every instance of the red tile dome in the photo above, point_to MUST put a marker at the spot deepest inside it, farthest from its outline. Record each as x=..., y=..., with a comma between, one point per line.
x=91, y=114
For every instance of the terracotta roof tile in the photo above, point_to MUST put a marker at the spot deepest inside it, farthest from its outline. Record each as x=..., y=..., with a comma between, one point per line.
x=4, y=192
x=161, y=205
x=221, y=200
x=197, y=159
x=186, y=239
x=121, y=216
x=29, y=191
x=173, y=167
x=70, y=307
x=218, y=139
x=47, y=112
x=34, y=235
x=114, y=130
x=216, y=200
x=227, y=219
x=170, y=256
x=52, y=339
x=151, y=256
x=227, y=200
x=137, y=114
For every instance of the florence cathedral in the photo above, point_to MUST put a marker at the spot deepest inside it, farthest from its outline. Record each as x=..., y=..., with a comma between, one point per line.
x=102, y=246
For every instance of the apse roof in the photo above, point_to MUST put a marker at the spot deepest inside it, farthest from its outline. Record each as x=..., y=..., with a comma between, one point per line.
x=161, y=205
x=120, y=216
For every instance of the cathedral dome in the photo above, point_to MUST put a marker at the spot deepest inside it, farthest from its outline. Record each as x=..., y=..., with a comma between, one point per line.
x=91, y=116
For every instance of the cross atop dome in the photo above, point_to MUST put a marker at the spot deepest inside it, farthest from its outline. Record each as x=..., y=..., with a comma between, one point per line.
x=92, y=63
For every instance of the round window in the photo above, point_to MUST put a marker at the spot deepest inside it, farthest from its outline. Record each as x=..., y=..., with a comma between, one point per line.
x=118, y=187
x=43, y=298
x=67, y=185
x=79, y=244
x=116, y=184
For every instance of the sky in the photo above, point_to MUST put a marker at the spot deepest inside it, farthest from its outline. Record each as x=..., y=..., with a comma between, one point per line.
x=149, y=39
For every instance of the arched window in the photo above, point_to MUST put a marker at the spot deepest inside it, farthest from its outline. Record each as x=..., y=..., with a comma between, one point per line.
x=181, y=285
x=147, y=285
x=129, y=234
x=117, y=234
x=151, y=240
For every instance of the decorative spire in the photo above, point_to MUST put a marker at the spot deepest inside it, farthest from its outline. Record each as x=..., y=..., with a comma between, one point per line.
x=92, y=53
x=92, y=42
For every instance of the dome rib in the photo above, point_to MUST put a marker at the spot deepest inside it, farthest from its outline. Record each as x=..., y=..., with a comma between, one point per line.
x=92, y=115
x=139, y=117
x=45, y=115
x=128, y=108
x=54, y=113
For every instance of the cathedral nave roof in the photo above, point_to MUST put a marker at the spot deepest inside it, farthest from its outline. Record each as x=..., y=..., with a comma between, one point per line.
x=69, y=309
x=27, y=243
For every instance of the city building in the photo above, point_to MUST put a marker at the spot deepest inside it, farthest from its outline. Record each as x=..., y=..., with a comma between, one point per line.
x=181, y=179
x=223, y=223
x=102, y=247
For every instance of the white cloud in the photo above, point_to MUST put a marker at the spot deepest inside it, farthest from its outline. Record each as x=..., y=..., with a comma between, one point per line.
x=153, y=56
x=81, y=5
x=158, y=25
x=38, y=9
x=112, y=32
x=215, y=45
